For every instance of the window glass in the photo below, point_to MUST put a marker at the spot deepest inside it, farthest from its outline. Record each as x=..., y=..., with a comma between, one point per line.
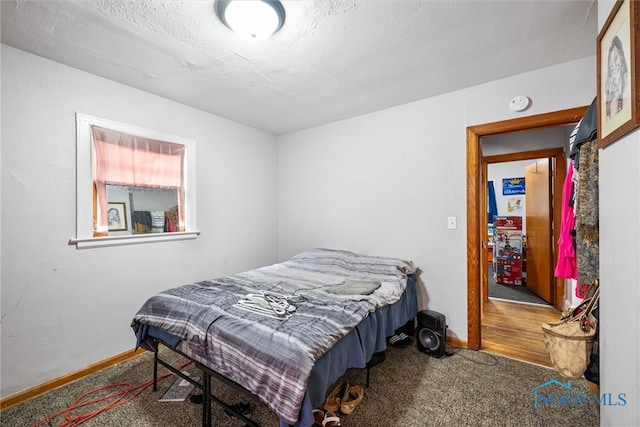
x=140, y=203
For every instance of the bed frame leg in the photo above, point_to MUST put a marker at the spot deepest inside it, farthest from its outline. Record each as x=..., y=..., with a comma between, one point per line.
x=206, y=401
x=368, y=375
x=155, y=365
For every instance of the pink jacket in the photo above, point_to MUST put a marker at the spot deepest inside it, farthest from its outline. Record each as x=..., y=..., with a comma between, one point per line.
x=566, y=266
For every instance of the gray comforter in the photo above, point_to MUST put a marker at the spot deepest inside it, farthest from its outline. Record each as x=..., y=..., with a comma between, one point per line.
x=273, y=358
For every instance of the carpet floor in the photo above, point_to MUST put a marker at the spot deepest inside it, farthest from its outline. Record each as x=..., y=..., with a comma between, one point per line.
x=408, y=389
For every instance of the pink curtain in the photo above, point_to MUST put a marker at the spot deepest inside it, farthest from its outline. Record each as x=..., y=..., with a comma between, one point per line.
x=124, y=159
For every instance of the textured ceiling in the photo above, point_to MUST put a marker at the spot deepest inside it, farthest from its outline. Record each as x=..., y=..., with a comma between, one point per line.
x=333, y=59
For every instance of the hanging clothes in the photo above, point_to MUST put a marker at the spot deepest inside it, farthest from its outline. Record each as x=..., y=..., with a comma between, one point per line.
x=493, y=205
x=584, y=155
x=566, y=266
x=587, y=218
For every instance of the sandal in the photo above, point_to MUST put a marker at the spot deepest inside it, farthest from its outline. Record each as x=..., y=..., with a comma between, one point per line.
x=352, y=398
x=241, y=408
x=318, y=417
x=400, y=340
x=330, y=420
x=332, y=404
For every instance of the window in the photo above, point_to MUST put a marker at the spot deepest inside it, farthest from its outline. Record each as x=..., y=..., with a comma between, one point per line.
x=134, y=185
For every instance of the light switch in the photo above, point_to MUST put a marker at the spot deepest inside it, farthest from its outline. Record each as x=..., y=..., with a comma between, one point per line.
x=452, y=223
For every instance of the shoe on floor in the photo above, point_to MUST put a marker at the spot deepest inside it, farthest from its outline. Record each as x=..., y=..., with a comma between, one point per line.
x=241, y=408
x=318, y=417
x=400, y=340
x=352, y=398
x=330, y=420
x=332, y=404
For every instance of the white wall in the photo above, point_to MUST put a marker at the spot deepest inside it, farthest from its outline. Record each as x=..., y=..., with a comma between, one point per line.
x=374, y=184
x=620, y=278
x=496, y=172
x=620, y=271
x=385, y=183
x=539, y=139
x=64, y=309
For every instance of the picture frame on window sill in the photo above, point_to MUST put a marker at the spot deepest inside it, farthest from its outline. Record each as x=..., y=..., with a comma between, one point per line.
x=617, y=57
x=117, y=216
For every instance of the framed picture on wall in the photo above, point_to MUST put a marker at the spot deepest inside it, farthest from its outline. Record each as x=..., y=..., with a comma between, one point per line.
x=117, y=216
x=617, y=48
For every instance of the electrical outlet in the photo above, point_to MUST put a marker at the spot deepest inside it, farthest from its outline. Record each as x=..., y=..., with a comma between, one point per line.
x=452, y=223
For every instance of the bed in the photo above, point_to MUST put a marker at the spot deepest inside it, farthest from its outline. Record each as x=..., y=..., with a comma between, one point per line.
x=283, y=332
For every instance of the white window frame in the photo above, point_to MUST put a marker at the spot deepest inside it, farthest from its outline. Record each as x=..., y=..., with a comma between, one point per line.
x=84, y=186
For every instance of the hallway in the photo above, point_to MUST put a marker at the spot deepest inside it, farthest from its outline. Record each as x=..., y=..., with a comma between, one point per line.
x=514, y=330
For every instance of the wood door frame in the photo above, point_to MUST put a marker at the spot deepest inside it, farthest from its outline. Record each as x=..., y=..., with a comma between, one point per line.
x=476, y=201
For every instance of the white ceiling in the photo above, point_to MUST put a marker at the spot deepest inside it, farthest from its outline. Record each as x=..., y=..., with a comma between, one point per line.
x=332, y=60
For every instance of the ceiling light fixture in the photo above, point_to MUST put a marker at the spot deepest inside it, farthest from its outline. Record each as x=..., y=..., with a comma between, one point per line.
x=253, y=19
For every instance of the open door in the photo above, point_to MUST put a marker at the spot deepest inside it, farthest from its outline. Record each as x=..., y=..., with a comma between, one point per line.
x=539, y=256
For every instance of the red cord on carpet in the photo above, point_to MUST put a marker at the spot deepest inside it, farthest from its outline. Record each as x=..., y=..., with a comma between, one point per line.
x=129, y=393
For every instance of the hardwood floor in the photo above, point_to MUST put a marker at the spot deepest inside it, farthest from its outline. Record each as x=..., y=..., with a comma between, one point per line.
x=514, y=330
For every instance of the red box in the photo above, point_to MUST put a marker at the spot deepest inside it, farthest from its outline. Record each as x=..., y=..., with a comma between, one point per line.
x=507, y=245
x=508, y=222
x=509, y=272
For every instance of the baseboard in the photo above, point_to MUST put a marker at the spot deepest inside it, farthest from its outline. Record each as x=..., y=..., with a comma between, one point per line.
x=456, y=342
x=566, y=304
x=23, y=396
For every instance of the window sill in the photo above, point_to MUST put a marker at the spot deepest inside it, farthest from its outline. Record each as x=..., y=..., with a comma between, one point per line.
x=99, y=242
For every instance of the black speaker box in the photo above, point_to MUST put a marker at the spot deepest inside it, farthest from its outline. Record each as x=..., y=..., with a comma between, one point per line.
x=431, y=333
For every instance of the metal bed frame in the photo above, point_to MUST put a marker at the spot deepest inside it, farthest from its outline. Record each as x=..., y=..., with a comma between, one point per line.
x=207, y=375
x=205, y=385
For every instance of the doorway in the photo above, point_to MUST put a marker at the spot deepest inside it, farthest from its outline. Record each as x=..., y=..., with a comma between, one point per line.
x=524, y=219
x=519, y=220
x=476, y=206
